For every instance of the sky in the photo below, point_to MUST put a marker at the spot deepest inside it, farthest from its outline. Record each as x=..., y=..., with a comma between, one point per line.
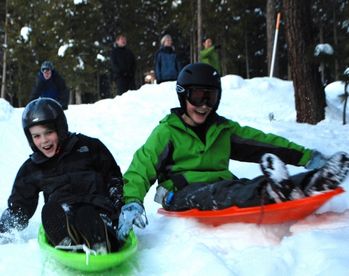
x=316, y=245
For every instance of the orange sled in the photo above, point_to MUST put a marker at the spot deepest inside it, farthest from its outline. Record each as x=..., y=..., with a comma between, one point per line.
x=267, y=214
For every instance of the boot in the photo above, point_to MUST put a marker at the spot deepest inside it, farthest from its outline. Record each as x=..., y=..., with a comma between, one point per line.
x=331, y=175
x=279, y=186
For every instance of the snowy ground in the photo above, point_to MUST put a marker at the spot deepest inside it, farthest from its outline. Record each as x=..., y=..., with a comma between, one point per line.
x=317, y=245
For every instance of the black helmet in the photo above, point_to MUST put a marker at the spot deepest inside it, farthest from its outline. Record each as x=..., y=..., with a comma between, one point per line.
x=199, y=75
x=42, y=111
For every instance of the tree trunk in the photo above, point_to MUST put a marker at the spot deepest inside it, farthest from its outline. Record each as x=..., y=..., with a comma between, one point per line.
x=335, y=42
x=4, y=60
x=322, y=41
x=192, y=47
x=247, y=62
x=309, y=93
x=78, y=95
x=199, y=22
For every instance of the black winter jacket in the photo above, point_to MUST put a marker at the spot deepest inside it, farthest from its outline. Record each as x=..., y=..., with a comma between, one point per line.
x=81, y=172
x=123, y=62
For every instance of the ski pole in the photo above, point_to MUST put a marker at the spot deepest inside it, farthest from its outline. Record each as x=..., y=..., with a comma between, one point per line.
x=275, y=44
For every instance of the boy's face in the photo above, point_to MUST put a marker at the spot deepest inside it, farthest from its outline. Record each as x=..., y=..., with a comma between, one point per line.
x=45, y=139
x=121, y=41
x=47, y=73
x=199, y=103
x=197, y=114
x=208, y=43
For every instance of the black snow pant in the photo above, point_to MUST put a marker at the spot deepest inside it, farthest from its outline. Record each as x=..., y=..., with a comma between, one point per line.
x=81, y=223
x=226, y=193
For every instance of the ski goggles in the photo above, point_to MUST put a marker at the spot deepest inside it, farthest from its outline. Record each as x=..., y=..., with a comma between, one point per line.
x=43, y=70
x=198, y=96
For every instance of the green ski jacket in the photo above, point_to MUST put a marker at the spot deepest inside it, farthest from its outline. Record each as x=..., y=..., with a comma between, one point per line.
x=210, y=56
x=173, y=154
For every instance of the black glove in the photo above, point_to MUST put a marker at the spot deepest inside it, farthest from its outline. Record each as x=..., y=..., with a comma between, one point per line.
x=2, y=228
x=5, y=235
x=13, y=219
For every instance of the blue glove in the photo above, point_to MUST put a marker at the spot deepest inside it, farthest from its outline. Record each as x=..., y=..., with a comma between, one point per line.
x=317, y=161
x=131, y=214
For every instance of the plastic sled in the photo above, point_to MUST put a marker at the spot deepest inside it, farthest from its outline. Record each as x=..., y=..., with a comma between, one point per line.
x=88, y=263
x=267, y=214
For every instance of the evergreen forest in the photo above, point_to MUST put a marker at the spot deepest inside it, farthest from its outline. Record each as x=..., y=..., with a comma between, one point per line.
x=77, y=37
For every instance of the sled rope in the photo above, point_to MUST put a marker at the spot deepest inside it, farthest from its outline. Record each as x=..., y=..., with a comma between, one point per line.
x=261, y=216
x=82, y=247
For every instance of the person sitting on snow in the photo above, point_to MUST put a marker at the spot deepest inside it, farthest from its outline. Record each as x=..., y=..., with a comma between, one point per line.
x=80, y=180
x=188, y=154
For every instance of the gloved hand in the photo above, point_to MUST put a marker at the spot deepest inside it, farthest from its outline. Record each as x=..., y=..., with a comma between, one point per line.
x=2, y=228
x=316, y=161
x=131, y=214
x=5, y=236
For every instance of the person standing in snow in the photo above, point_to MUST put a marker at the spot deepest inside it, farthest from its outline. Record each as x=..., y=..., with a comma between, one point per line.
x=188, y=153
x=49, y=83
x=167, y=65
x=209, y=54
x=123, y=65
x=80, y=180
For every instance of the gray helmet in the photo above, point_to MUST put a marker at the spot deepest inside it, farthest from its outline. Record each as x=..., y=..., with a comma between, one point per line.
x=44, y=111
x=46, y=65
x=199, y=75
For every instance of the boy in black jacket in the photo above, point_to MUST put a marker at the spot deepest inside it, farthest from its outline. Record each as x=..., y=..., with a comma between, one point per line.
x=80, y=180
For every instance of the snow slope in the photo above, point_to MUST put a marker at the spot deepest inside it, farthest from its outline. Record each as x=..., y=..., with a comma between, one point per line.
x=317, y=245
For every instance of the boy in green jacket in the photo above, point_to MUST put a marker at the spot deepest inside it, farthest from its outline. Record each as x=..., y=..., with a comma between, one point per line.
x=188, y=154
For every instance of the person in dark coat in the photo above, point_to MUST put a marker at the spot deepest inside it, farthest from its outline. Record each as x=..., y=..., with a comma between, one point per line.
x=167, y=64
x=123, y=64
x=80, y=180
x=49, y=83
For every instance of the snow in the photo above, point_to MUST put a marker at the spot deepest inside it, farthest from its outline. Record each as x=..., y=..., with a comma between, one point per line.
x=346, y=71
x=25, y=32
x=317, y=245
x=77, y=2
x=323, y=49
x=62, y=49
x=101, y=57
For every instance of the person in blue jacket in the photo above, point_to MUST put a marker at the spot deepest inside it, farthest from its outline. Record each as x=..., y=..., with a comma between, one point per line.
x=50, y=84
x=167, y=64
